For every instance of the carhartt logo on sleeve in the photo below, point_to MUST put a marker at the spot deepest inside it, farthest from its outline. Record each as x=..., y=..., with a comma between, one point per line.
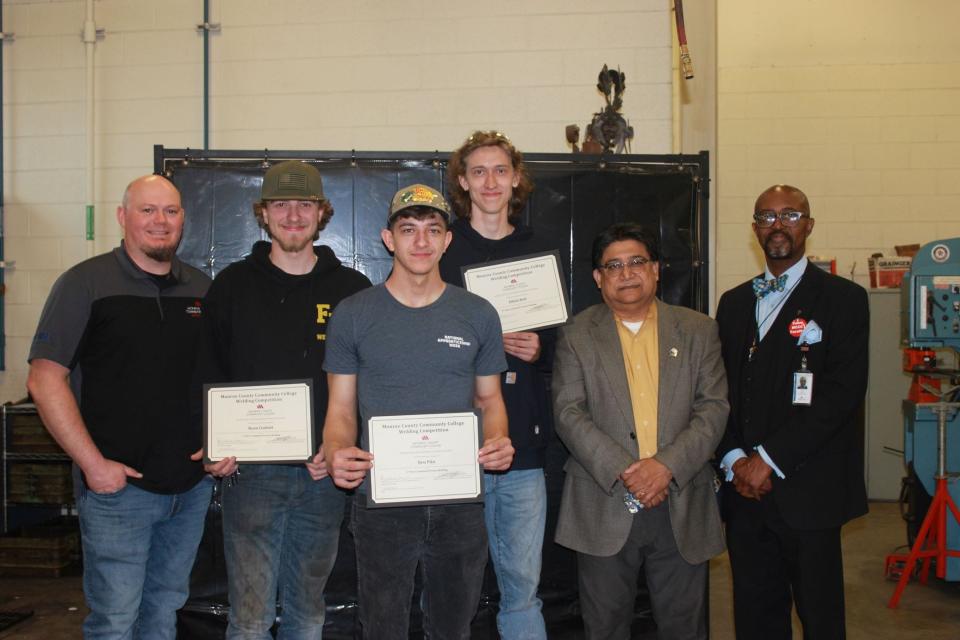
x=454, y=342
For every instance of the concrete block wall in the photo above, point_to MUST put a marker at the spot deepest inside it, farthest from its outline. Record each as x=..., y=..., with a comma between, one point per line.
x=290, y=74
x=858, y=104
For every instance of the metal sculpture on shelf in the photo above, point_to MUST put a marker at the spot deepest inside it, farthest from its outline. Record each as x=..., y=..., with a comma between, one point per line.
x=608, y=131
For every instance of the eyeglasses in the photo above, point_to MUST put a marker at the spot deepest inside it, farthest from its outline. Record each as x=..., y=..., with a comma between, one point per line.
x=787, y=217
x=615, y=267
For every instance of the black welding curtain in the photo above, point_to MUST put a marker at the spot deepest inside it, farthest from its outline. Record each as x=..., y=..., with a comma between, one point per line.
x=572, y=202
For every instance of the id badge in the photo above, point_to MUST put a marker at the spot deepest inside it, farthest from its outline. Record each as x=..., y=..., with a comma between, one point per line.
x=803, y=388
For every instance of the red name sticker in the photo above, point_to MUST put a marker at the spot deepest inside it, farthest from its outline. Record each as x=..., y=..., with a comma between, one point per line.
x=797, y=326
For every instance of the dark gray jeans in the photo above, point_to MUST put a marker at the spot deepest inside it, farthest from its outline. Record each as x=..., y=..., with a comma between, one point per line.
x=608, y=586
x=281, y=530
x=449, y=545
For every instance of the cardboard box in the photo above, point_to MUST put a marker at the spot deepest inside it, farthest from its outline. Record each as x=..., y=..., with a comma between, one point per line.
x=28, y=435
x=40, y=483
x=827, y=264
x=888, y=272
x=46, y=549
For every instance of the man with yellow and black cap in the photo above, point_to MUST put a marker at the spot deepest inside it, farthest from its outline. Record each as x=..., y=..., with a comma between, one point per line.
x=266, y=319
x=414, y=345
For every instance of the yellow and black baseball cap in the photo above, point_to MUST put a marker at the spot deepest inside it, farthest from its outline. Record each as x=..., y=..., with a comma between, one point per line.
x=419, y=195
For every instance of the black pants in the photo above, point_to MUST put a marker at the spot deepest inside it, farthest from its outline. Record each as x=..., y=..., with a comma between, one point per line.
x=774, y=566
x=448, y=543
x=608, y=585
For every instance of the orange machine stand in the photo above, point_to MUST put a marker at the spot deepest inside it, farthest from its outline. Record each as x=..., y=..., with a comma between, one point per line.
x=931, y=542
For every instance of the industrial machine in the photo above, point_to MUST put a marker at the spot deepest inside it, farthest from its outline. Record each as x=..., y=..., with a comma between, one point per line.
x=930, y=335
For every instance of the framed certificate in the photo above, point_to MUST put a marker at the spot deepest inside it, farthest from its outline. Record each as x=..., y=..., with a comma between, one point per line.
x=424, y=459
x=527, y=292
x=259, y=422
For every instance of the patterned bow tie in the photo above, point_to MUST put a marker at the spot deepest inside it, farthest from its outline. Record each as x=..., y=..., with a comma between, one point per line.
x=762, y=287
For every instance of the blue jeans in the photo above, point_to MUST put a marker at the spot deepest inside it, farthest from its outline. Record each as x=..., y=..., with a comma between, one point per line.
x=447, y=542
x=281, y=530
x=516, y=514
x=138, y=550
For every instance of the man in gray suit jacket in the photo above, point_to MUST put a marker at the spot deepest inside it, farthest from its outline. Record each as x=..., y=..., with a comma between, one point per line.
x=640, y=399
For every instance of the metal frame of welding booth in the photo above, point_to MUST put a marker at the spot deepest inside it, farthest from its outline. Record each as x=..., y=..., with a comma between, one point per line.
x=576, y=197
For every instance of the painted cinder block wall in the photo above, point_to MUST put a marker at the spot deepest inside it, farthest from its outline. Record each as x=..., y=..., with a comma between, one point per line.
x=855, y=102
x=290, y=74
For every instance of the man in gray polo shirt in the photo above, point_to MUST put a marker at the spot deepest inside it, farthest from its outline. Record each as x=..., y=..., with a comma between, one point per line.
x=122, y=329
x=414, y=345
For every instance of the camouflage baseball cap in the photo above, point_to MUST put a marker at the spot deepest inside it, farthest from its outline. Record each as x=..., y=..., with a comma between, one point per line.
x=419, y=195
x=292, y=180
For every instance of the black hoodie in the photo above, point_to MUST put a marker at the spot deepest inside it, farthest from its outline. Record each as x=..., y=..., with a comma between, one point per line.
x=265, y=324
x=523, y=384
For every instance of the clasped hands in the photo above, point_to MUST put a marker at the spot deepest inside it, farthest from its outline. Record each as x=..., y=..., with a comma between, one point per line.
x=751, y=476
x=648, y=480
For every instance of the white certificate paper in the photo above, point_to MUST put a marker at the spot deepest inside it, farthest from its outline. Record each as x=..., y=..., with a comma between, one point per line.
x=527, y=292
x=267, y=423
x=424, y=459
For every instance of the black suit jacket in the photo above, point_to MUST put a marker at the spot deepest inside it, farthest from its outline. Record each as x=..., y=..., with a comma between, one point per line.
x=818, y=447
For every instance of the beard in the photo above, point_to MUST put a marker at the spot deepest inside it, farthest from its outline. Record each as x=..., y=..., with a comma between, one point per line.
x=295, y=245
x=779, y=250
x=161, y=254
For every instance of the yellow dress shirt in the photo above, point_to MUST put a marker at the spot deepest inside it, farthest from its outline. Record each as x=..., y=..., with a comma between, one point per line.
x=642, y=364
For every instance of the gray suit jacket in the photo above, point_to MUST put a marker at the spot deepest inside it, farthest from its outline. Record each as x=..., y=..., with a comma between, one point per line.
x=594, y=418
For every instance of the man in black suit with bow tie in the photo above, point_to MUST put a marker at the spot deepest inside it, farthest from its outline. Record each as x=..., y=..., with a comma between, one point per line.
x=795, y=348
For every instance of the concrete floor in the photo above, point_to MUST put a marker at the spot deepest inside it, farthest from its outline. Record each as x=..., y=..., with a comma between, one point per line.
x=929, y=612
x=926, y=612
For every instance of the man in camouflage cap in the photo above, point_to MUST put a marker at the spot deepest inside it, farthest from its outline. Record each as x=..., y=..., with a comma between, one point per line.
x=414, y=345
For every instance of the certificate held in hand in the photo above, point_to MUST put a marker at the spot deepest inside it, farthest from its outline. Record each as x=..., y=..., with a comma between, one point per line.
x=424, y=459
x=259, y=422
x=527, y=292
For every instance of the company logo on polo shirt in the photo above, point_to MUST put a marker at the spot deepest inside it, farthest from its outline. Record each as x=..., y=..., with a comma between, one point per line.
x=454, y=342
x=194, y=310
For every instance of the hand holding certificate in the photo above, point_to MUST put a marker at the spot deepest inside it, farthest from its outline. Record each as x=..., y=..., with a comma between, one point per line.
x=424, y=459
x=265, y=423
x=527, y=292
